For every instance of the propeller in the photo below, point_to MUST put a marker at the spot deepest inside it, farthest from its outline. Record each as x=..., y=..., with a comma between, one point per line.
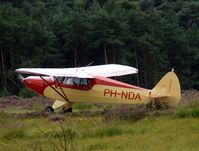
x=20, y=77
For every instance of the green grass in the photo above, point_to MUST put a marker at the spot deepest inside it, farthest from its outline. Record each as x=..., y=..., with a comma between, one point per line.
x=16, y=110
x=82, y=106
x=184, y=113
x=173, y=130
x=152, y=133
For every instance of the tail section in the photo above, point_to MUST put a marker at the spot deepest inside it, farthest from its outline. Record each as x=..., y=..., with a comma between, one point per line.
x=167, y=89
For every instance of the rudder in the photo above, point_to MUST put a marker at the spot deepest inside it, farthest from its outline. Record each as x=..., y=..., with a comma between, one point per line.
x=168, y=89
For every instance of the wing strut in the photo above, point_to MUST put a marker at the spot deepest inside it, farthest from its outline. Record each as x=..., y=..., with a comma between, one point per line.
x=61, y=88
x=63, y=96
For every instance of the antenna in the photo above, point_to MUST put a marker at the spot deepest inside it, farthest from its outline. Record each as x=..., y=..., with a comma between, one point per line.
x=90, y=63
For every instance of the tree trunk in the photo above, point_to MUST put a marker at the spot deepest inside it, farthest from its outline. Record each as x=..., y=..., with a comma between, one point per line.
x=136, y=65
x=75, y=57
x=11, y=58
x=105, y=54
x=145, y=67
x=3, y=67
x=114, y=54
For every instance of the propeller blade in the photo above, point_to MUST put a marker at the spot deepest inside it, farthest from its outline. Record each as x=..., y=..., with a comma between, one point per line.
x=20, y=77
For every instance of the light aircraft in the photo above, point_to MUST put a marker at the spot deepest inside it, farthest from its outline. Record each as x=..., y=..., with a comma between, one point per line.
x=66, y=86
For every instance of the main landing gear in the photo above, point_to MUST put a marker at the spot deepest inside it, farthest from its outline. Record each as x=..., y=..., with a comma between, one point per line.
x=49, y=109
x=69, y=110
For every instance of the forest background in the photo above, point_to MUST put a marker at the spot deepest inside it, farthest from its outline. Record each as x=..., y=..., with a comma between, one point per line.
x=151, y=35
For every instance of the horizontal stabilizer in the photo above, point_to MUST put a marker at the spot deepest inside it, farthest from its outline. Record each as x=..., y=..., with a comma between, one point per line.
x=158, y=97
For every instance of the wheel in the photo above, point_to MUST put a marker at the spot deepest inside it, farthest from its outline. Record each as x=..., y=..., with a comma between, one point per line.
x=49, y=109
x=70, y=110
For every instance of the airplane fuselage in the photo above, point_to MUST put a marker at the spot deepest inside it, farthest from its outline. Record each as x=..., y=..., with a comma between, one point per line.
x=98, y=90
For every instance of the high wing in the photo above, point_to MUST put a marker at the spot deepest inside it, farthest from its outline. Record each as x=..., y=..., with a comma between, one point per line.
x=108, y=70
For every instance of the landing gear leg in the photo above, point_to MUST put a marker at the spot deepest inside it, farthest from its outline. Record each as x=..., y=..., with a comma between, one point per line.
x=49, y=109
x=69, y=110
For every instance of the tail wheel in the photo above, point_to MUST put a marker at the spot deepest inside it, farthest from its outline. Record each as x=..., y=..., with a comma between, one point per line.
x=49, y=109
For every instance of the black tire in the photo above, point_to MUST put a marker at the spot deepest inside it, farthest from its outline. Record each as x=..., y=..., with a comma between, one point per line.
x=49, y=109
x=69, y=110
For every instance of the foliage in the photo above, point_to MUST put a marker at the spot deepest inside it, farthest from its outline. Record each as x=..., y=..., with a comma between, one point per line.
x=26, y=93
x=188, y=113
x=4, y=92
x=66, y=137
x=152, y=35
x=82, y=106
x=16, y=132
x=130, y=114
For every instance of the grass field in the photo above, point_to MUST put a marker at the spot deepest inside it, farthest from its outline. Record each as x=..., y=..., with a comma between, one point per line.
x=168, y=130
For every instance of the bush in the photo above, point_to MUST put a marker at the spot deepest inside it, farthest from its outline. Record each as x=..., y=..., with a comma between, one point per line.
x=126, y=113
x=186, y=113
x=4, y=92
x=135, y=113
x=25, y=93
x=16, y=132
x=66, y=137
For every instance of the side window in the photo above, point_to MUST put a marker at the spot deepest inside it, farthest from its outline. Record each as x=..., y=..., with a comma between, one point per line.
x=76, y=81
x=70, y=81
x=58, y=79
x=84, y=82
x=65, y=80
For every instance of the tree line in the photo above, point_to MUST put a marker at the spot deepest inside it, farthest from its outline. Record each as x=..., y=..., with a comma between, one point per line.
x=151, y=35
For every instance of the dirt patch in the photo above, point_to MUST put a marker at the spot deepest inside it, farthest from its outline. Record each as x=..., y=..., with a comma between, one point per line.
x=21, y=103
x=190, y=95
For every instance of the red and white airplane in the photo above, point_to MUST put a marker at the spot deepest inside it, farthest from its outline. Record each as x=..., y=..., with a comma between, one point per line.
x=67, y=86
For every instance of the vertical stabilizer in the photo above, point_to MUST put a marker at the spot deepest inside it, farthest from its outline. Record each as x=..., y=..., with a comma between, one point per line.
x=168, y=89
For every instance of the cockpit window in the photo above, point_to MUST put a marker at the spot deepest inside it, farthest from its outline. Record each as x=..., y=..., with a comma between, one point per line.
x=69, y=81
x=84, y=81
x=76, y=81
x=72, y=81
x=59, y=79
